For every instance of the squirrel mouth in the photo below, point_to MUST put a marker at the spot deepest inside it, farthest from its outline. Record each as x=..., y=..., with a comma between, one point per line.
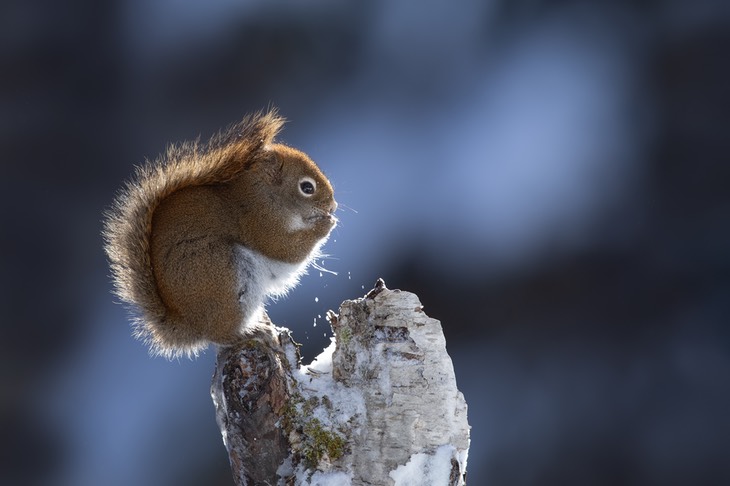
x=322, y=216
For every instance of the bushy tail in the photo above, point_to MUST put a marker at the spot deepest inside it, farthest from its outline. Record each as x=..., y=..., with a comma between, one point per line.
x=128, y=223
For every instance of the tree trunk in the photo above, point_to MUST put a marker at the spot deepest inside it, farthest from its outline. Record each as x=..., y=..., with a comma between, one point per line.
x=379, y=406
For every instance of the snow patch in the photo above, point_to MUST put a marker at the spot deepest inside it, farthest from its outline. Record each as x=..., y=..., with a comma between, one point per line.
x=336, y=478
x=433, y=469
x=316, y=380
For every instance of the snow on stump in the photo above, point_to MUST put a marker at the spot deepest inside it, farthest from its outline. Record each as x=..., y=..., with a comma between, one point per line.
x=379, y=406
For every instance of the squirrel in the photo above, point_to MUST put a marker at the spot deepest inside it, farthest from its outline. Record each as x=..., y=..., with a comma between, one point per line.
x=199, y=239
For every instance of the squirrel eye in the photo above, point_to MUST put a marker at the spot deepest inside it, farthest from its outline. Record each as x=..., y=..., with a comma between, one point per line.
x=307, y=186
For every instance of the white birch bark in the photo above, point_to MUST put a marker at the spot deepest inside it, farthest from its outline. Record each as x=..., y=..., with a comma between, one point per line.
x=380, y=406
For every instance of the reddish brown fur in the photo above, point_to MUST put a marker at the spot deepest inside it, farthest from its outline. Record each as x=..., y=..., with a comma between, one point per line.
x=171, y=233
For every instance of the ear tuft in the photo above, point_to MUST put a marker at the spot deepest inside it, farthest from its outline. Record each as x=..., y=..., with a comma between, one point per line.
x=273, y=169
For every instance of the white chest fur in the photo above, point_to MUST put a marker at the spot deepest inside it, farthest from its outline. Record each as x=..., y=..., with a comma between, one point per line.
x=261, y=277
x=278, y=277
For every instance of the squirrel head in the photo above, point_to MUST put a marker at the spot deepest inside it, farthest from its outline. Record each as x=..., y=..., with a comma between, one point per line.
x=286, y=204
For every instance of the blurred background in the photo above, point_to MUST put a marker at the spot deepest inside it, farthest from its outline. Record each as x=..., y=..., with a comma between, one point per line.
x=551, y=177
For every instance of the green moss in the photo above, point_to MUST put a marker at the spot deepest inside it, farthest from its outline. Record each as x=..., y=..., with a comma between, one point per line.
x=290, y=413
x=320, y=441
x=316, y=440
x=344, y=335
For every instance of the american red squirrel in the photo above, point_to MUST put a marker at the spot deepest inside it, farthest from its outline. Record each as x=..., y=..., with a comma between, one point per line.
x=199, y=238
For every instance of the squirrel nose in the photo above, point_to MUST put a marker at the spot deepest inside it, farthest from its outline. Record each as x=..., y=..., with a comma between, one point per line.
x=333, y=207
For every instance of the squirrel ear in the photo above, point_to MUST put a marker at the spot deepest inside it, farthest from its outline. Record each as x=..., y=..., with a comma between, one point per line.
x=272, y=168
x=267, y=164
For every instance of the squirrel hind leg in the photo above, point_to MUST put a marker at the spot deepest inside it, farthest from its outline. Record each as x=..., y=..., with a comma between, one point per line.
x=198, y=283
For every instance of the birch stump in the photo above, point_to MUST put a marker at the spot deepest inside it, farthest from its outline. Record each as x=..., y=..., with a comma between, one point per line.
x=379, y=406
